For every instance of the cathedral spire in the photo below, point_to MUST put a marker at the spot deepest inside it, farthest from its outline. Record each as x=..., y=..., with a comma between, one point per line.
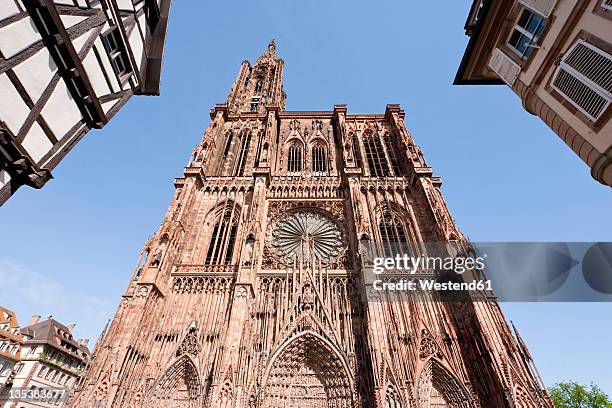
x=259, y=85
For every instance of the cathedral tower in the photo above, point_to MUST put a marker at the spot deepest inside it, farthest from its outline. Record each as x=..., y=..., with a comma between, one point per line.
x=253, y=291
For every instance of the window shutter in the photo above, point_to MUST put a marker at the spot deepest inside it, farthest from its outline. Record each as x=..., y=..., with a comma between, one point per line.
x=607, y=4
x=542, y=7
x=504, y=67
x=584, y=78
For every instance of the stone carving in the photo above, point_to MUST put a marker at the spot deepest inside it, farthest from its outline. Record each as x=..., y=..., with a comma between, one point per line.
x=190, y=344
x=427, y=346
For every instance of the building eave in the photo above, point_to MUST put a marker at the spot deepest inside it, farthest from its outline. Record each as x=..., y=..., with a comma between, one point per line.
x=151, y=85
x=460, y=78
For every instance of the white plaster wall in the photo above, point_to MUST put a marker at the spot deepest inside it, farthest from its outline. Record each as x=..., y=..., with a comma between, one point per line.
x=107, y=65
x=107, y=106
x=80, y=41
x=61, y=112
x=70, y=21
x=125, y=5
x=13, y=109
x=4, y=178
x=137, y=45
x=36, y=143
x=95, y=75
x=17, y=36
x=7, y=9
x=36, y=72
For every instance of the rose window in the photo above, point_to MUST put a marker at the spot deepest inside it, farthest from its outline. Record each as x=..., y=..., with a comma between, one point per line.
x=306, y=237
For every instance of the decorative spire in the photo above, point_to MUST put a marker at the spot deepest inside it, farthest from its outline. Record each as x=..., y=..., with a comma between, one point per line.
x=270, y=52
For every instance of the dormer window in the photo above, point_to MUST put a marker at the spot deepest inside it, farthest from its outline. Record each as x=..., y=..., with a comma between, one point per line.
x=526, y=32
x=113, y=44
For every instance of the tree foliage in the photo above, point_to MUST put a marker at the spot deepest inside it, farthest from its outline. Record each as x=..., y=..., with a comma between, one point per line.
x=573, y=395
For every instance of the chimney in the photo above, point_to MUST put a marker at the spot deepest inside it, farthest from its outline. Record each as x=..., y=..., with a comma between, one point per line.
x=70, y=327
x=35, y=319
x=84, y=342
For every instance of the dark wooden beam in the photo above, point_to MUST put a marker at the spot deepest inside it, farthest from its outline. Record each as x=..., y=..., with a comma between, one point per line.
x=57, y=40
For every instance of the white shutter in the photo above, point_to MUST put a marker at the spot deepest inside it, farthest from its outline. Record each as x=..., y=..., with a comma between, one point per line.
x=607, y=4
x=584, y=78
x=504, y=67
x=542, y=7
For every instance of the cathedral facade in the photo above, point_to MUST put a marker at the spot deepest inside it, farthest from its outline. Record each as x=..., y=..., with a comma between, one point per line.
x=253, y=293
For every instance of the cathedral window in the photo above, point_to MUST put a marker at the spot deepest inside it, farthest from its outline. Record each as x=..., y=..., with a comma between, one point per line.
x=242, y=155
x=294, y=159
x=356, y=151
x=228, y=143
x=391, y=152
x=319, y=159
x=393, y=234
x=222, y=240
x=375, y=155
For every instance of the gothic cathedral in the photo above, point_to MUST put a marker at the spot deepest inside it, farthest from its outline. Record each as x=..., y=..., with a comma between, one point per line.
x=252, y=292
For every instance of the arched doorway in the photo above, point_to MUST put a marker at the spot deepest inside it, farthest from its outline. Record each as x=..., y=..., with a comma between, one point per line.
x=307, y=371
x=178, y=387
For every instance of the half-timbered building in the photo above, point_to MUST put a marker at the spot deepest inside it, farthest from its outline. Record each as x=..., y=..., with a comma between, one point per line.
x=67, y=66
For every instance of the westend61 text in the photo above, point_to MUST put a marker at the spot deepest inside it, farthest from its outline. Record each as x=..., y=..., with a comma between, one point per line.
x=413, y=263
x=431, y=285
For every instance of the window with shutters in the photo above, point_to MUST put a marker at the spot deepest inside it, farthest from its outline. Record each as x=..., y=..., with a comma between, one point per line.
x=526, y=32
x=223, y=238
x=607, y=4
x=375, y=155
x=584, y=78
x=294, y=159
x=319, y=159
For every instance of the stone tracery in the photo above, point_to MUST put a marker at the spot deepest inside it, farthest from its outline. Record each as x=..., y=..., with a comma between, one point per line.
x=307, y=372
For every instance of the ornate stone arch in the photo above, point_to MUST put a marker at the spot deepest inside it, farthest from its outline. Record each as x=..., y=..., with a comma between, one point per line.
x=307, y=370
x=180, y=385
x=437, y=387
x=217, y=241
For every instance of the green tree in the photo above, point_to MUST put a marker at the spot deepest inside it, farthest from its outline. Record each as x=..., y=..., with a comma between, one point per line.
x=573, y=395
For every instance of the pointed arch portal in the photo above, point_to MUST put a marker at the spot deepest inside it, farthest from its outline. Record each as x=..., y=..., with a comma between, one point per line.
x=178, y=387
x=307, y=371
x=439, y=388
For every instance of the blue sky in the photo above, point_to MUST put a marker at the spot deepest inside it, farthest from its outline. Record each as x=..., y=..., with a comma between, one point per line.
x=70, y=248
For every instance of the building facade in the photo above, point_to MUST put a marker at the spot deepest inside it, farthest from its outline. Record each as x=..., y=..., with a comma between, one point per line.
x=67, y=67
x=11, y=343
x=254, y=293
x=556, y=55
x=51, y=359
